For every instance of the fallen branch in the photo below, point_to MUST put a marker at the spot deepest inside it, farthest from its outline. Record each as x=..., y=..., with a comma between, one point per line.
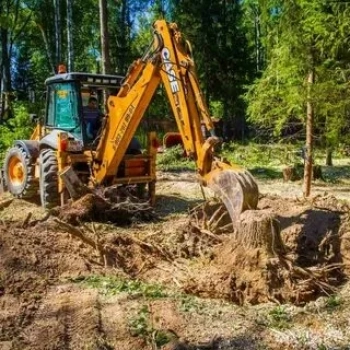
x=4, y=204
x=83, y=236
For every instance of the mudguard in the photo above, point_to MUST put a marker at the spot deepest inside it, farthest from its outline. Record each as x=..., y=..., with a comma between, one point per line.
x=31, y=147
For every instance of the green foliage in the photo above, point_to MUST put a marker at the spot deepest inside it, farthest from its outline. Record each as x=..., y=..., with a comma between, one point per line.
x=333, y=302
x=275, y=41
x=18, y=127
x=216, y=109
x=279, y=318
x=112, y=286
x=191, y=304
x=173, y=159
x=260, y=155
x=226, y=66
x=303, y=36
x=141, y=325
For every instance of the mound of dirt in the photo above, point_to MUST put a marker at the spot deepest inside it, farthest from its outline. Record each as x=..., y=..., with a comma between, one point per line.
x=32, y=260
x=286, y=251
x=301, y=262
x=92, y=207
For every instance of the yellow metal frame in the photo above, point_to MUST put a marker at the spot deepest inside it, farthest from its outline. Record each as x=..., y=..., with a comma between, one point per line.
x=168, y=62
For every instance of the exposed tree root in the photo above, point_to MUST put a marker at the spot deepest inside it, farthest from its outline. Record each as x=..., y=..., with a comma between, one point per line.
x=253, y=265
x=125, y=252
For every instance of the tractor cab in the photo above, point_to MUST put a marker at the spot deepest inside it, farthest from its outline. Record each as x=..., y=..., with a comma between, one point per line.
x=68, y=97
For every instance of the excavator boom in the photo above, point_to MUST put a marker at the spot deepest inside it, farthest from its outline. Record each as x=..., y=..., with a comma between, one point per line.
x=169, y=61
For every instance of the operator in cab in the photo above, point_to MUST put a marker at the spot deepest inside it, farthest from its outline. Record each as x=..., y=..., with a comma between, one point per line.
x=92, y=118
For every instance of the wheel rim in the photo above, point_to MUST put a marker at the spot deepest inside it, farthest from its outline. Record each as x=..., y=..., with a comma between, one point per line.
x=16, y=171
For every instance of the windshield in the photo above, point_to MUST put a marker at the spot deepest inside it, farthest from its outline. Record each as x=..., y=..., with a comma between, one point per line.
x=63, y=107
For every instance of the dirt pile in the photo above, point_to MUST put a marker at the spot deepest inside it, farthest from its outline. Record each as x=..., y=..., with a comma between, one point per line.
x=304, y=260
x=32, y=260
x=40, y=308
x=93, y=207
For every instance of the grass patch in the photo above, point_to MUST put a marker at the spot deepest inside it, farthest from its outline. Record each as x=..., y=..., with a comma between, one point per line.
x=174, y=159
x=266, y=173
x=336, y=173
x=189, y=303
x=141, y=325
x=333, y=302
x=115, y=285
x=265, y=162
x=279, y=318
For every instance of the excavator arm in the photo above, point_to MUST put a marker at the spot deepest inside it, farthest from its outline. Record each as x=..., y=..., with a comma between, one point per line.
x=169, y=61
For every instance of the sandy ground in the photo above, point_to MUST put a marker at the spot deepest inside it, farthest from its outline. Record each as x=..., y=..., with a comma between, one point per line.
x=161, y=284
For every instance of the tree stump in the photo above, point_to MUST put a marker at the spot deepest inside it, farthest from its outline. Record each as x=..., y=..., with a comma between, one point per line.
x=292, y=173
x=259, y=229
x=317, y=172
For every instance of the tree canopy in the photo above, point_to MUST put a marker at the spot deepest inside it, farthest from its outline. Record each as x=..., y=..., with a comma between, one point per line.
x=253, y=57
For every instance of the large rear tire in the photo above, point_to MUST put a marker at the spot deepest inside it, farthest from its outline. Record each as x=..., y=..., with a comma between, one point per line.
x=48, y=179
x=19, y=173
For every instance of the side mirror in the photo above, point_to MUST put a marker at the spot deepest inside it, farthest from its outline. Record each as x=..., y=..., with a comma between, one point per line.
x=34, y=118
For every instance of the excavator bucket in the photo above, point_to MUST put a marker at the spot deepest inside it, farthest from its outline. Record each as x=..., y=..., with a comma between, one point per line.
x=236, y=188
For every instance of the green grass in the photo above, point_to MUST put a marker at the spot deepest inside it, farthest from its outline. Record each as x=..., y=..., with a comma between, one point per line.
x=265, y=162
x=173, y=159
x=268, y=161
x=141, y=325
x=267, y=173
x=116, y=285
x=333, y=302
x=279, y=318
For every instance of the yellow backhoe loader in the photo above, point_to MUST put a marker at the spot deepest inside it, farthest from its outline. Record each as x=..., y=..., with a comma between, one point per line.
x=60, y=161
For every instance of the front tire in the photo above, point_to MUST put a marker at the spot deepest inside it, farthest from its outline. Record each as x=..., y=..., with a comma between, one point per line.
x=19, y=173
x=48, y=179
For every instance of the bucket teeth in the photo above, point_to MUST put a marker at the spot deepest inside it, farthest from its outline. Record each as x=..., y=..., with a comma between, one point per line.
x=237, y=190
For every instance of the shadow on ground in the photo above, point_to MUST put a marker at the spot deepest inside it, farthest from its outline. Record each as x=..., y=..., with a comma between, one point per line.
x=244, y=341
x=267, y=173
x=167, y=205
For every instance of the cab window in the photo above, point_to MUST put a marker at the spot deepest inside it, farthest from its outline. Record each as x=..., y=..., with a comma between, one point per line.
x=63, y=107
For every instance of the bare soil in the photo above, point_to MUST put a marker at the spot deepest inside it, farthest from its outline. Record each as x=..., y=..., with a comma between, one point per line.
x=187, y=284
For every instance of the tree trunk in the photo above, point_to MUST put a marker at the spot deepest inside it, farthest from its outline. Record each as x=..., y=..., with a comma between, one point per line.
x=47, y=47
x=58, y=43
x=257, y=36
x=106, y=63
x=329, y=159
x=6, y=86
x=259, y=229
x=122, y=61
x=70, y=36
x=309, y=141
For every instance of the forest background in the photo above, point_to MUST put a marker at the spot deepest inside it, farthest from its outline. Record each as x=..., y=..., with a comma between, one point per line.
x=271, y=70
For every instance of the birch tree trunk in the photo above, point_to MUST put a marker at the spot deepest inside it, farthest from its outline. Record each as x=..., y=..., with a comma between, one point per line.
x=106, y=63
x=309, y=132
x=58, y=40
x=49, y=54
x=70, y=36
